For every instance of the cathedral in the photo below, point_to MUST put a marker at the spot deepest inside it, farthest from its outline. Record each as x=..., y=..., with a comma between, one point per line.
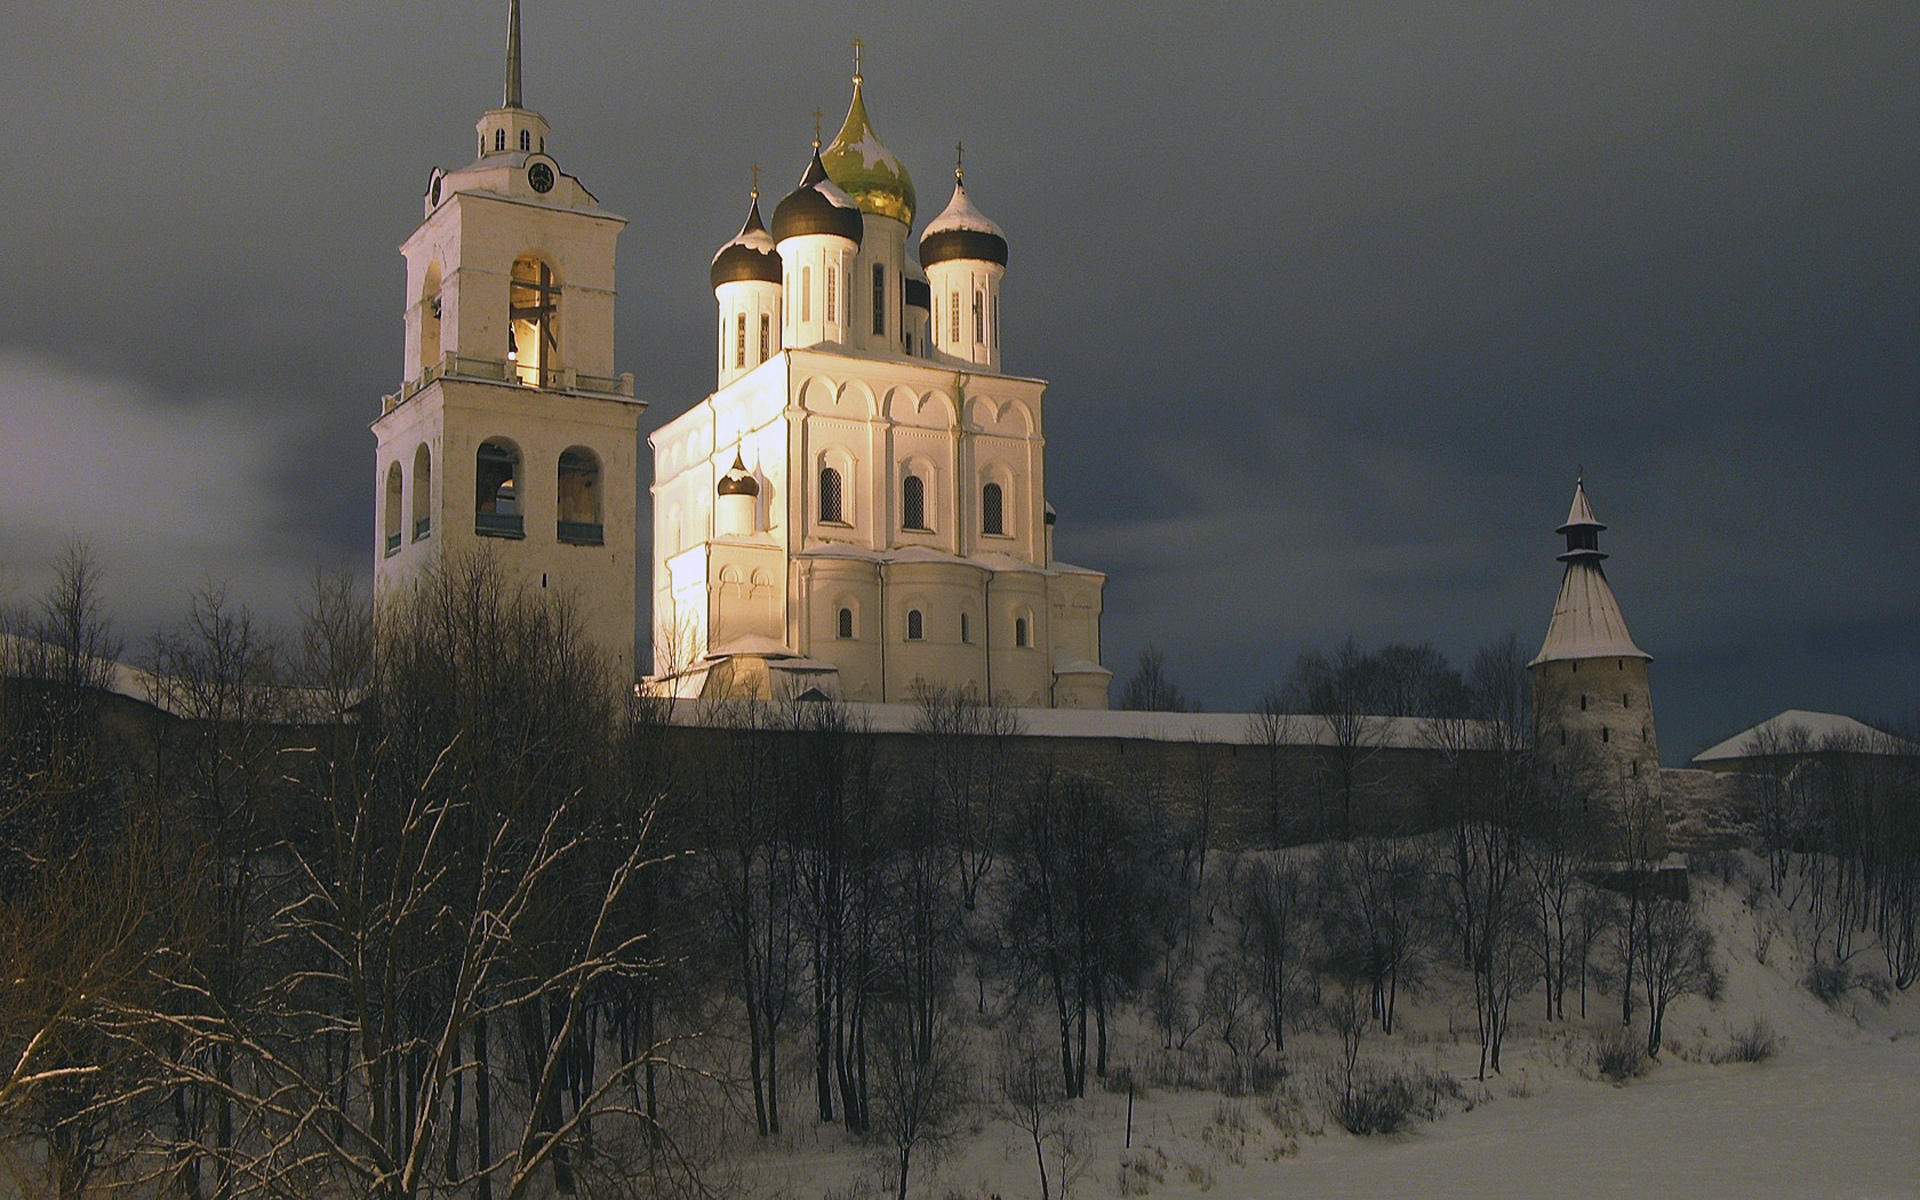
x=858, y=510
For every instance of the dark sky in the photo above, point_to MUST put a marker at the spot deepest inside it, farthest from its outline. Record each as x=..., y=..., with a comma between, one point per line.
x=1334, y=299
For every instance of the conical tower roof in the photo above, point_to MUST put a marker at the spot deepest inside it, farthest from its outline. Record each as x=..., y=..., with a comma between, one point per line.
x=866, y=170
x=1587, y=622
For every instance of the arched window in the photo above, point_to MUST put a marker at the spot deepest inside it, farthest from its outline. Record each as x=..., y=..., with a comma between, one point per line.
x=422, y=492
x=499, y=139
x=993, y=515
x=979, y=318
x=833, y=281
x=913, y=502
x=533, y=302
x=916, y=625
x=526, y=139
x=806, y=293
x=766, y=337
x=579, y=516
x=390, y=519
x=740, y=341
x=496, y=502
x=966, y=630
x=953, y=326
x=831, y=500
x=846, y=623
x=879, y=299
x=1019, y=631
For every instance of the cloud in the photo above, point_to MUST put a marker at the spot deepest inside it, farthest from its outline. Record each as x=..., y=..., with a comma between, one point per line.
x=170, y=496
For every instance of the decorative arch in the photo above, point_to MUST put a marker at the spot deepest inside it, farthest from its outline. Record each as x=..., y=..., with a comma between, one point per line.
x=924, y=410
x=422, y=491
x=497, y=502
x=579, y=522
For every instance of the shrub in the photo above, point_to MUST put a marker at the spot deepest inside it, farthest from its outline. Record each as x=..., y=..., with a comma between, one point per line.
x=1383, y=1099
x=1620, y=1056
x=1829, y=982
x=1754, y=1044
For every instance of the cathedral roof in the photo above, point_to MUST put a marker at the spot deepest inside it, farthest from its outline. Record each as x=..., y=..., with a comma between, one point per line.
x=866, y=170
x=750, y=255
x=817, y=205
x=962, y=231
x=738, y=481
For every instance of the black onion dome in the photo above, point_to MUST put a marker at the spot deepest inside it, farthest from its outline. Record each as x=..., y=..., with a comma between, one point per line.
x=737, y=481
x=817, y=206
x=750, y=256
x=962, y=231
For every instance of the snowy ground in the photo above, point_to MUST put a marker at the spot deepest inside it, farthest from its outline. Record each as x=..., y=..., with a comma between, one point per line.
x=1836, y=1113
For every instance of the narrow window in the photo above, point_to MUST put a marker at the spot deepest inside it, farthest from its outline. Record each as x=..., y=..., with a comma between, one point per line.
x=833, y=280
x=916, y=625
x=579, y=485
x=1619, y=664
x=499, y=139
x=422, y=492
x=391, y=523
x=879, y=299
x=1626, y=700
x=806, y=293
x=1019, y=631
x=993, y=312
x=953, y=326
x=913, y=502
x=1634, y=768
x=979, y=330
x=1603, y=734
x=1576, y=668
x=1583, y=704
x=992, y=510
x=526, y=140
x=740, y=340
x=1563, y=737
x=846, y=623
x=830, y=509
x=766, y=337
x=966, y=633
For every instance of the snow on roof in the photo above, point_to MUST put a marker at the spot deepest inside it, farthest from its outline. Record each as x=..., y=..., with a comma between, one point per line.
x=1582, y=511
x=1797, y=731
x=1586, y=619
x=961, y=214
x=1226, y=729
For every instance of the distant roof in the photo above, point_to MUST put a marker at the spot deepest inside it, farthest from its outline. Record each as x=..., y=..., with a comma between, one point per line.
x=1227, y=729
x=1797, y=731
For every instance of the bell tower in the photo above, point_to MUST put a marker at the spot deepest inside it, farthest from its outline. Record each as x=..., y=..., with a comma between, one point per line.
x=511, y=434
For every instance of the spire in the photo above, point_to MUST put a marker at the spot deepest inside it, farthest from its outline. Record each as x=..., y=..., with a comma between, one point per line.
x=1582, y=528
x=862, y=166
x=512, y=97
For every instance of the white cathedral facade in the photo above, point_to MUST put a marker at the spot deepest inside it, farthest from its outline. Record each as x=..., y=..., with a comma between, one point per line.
x=861, y=504
x=859, y=509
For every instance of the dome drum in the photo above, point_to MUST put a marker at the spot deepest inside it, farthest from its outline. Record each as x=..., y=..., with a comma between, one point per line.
x=946, y=245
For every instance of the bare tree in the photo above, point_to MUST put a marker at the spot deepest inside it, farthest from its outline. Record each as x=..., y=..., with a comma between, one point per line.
x=1024, y=1092
x=1676, y=959
x=921, y=1089
x=1150, y=688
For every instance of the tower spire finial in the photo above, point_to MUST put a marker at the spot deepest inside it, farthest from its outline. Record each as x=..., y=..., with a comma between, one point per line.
x=512, y=97
x=756, y=183
x=858, y=46
x=959, y=162
x=816, y=130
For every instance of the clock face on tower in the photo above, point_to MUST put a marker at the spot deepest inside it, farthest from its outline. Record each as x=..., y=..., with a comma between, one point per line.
x=540, y=177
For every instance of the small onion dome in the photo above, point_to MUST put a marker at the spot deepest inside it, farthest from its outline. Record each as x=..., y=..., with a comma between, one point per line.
x=962, y=231
x=817, y=206
x=750, y=256
x=867, y=170
x=919, y=295
x=738, y=481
